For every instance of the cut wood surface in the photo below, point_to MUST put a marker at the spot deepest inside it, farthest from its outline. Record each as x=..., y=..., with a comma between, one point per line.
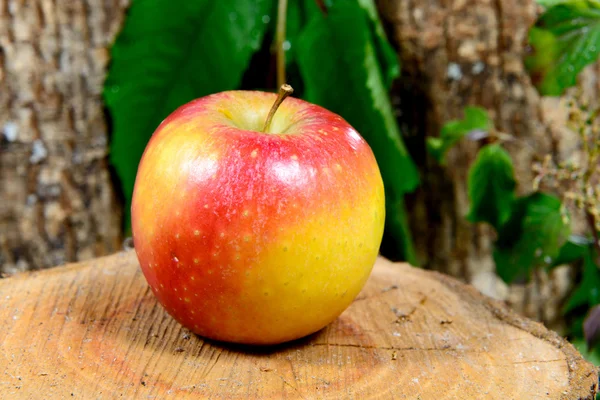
x=94, y=330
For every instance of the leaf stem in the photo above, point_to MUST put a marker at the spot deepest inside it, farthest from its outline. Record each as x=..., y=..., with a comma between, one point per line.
x=279, y=40
x=284, y=91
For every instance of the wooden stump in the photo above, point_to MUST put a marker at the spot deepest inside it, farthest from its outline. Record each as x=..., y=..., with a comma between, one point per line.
x=94, y=330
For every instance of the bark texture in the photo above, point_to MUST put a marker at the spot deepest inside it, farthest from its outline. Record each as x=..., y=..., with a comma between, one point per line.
x=58, y=203
x=457, y=53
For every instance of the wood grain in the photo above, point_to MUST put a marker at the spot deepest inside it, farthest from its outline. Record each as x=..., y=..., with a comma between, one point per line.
x=94, y=330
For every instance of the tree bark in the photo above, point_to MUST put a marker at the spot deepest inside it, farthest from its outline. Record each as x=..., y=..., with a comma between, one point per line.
x=58, y=203
x=470, y=52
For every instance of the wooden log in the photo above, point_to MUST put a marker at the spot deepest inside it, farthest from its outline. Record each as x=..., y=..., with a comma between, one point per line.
x=94, y=330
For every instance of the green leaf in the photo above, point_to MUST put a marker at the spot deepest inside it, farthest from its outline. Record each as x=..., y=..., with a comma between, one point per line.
x=386, y=55
x=573, y=250
x=168, y=53
x=551, y=3
x=565, y=39
x=532, y=236
x=588, y=292
x=295, y=21
x=397, y=244
x=476, y=119
x=340, y=69
x=491, y=186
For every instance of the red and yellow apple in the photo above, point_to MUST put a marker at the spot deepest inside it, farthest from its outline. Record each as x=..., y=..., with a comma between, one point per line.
x=256, y=237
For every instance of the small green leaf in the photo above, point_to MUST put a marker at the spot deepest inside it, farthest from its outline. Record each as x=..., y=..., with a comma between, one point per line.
x=588, y=292
x=491, y=186
x=476, y=119
x=532, y=236
x=565, y=39
x=168, y=53
x=341, y=72
x=573, y=250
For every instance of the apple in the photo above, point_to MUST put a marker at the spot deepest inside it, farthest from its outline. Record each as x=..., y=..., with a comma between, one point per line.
x=255, y=222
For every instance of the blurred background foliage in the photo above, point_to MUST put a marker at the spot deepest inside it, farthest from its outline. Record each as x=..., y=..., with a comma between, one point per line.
x=337, y=55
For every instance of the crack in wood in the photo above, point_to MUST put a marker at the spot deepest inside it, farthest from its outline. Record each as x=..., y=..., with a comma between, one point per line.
x=285, y=382
x=290, y=385
x=538, y=361
x=212, y=365
x=410, y=348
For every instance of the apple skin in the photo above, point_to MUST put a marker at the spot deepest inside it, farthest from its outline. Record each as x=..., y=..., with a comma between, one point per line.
x=252, y=237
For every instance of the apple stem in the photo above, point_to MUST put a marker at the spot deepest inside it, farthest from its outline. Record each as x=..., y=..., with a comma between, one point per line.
x=284, y=92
